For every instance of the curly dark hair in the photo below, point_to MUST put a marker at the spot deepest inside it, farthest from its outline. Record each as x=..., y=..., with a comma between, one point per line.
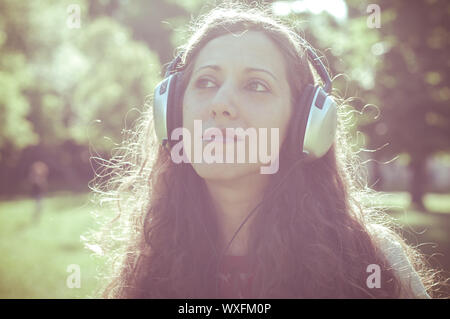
x=313, y=238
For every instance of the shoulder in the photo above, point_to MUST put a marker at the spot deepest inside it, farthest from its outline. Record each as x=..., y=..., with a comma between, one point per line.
x=391, y=247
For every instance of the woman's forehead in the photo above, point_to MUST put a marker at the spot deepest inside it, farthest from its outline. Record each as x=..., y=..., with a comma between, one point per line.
x=250, y=49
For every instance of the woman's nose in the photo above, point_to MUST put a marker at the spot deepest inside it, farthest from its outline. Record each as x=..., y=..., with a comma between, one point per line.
x=223, y=103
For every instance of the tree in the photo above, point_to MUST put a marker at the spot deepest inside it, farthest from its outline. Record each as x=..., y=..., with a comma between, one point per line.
x=59, y=81
x=412, y=87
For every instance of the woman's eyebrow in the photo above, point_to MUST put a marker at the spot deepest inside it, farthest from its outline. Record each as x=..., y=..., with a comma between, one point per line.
x=248, y=69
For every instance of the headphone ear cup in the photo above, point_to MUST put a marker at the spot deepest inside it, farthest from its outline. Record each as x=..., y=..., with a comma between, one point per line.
x=301, y=114
x=174, y=107
x=321, y=124
x=160, y=108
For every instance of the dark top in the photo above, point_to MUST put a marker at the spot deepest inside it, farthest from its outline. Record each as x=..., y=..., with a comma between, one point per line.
x=235, y=278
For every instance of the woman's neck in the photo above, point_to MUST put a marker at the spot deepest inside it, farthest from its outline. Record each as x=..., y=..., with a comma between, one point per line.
x=233, y=201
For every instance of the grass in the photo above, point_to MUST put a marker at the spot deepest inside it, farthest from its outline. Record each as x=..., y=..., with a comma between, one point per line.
x=35, y=256
x=435, y=203
x=435, y=221
x=428, y=231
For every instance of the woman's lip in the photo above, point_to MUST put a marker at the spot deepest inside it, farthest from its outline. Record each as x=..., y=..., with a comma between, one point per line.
x=221, y=139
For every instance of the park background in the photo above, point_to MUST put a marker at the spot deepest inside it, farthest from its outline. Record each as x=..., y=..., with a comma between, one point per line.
x=71, y=89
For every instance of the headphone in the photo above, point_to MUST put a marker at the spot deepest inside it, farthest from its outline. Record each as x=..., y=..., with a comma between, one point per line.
x=315, y=132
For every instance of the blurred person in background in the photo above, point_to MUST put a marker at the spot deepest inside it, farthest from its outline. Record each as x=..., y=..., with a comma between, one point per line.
x=38, y=181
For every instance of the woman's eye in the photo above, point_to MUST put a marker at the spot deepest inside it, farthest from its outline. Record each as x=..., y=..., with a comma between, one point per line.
x=203, y=83
x=255, y=86
x=258, y=87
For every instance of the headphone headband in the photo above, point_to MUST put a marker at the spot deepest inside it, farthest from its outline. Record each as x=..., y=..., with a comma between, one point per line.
x=320, y=68
x=173, y=64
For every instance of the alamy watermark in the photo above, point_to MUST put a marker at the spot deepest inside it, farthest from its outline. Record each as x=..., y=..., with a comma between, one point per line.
x=374, y=279
x=73, y=20
x=74, y=279
x=210, y=144
x=374, y=18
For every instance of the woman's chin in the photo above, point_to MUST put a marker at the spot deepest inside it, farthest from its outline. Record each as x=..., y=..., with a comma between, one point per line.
x=225, y=171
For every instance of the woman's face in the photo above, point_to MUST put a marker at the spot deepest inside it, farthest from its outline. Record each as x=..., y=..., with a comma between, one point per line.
x=237, y=82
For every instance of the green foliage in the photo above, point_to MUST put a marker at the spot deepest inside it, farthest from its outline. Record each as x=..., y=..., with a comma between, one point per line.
x=118, y=73
x=14, y=107
x=58, y=81
x=412, y=88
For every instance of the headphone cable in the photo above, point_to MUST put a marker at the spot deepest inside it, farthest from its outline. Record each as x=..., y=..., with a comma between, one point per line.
x=275, y=188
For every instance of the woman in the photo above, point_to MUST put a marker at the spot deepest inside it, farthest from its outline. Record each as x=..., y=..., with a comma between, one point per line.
x=308, y=234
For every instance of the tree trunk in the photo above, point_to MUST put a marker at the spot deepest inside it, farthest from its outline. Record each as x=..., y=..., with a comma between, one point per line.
x=418, y=182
